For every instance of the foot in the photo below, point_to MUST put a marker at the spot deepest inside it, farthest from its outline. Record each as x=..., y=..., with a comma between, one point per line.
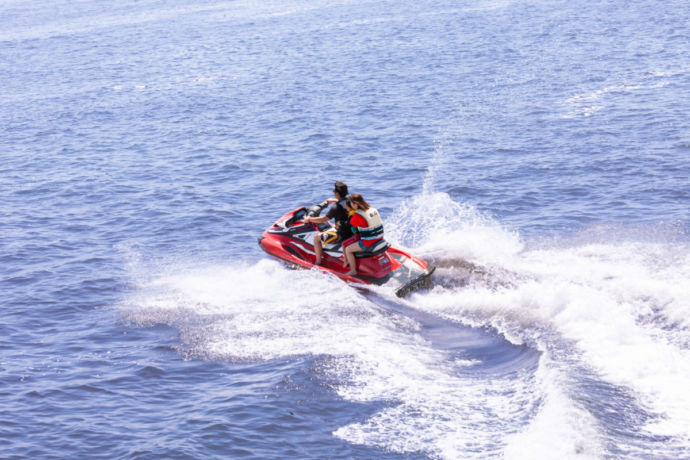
x=317, y=261
x=351, y=273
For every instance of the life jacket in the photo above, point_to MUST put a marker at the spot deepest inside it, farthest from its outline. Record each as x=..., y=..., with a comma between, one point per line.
x=374, y=229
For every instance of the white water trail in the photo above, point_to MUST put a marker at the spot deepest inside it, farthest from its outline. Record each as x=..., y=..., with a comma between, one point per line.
x=432, y=401
x=616, y=308
x=623, y=302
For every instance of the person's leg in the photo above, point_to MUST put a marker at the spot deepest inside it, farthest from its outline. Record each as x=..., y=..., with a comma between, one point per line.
x=350, y=258
x=345, y=244
x=317, y=248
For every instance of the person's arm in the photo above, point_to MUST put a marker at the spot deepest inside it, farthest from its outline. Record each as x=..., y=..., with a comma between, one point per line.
x=316, y=220
x=322, y=219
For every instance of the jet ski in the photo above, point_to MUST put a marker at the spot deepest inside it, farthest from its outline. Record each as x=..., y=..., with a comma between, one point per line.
x=291, y=240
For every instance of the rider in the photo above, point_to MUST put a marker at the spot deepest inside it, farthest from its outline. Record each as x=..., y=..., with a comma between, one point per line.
x=336, y=212
x=367, y=223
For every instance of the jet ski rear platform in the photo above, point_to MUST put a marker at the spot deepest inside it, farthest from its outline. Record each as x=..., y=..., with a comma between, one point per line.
x=291, y=240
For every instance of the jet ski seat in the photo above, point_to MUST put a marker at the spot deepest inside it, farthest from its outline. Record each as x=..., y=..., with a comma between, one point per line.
x=378, y=248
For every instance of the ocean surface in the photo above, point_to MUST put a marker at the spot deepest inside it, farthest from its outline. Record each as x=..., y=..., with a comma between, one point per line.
x=536, y=152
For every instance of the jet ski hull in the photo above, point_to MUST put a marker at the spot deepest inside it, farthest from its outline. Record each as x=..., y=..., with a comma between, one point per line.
x=291, y=240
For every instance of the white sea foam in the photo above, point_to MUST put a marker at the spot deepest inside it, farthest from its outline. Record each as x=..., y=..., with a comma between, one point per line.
x=623, y=303
x=265, y=311
x=560, y=429
x=618, y=309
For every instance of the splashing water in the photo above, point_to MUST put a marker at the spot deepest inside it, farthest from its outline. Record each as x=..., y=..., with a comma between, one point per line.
x=616, y=309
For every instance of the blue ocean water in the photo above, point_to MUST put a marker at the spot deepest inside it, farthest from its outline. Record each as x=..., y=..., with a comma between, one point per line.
x=537, y=152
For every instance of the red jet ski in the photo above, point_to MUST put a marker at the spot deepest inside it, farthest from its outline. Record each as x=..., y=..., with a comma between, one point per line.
x=291, y=240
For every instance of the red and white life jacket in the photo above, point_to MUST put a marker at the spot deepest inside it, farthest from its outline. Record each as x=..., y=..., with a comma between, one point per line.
x=374, y=229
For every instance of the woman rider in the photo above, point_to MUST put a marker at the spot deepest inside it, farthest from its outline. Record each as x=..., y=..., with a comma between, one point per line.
x=367, y=222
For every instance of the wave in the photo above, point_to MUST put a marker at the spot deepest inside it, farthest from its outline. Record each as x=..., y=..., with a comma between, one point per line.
x=268, y=312
x=616, y=301
x=607, y=315
x=590, y=102
x=57, y=24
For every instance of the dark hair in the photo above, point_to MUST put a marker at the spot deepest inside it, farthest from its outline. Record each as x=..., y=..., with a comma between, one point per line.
x=340, y=188
x=358, y=199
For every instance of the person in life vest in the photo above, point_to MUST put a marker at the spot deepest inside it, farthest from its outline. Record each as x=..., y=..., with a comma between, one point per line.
x=338, y=213
x=355, y=237
x=368, y=225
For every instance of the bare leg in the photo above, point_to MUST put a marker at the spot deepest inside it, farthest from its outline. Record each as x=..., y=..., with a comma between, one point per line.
x=317, y=248
x=350, y=257
x=344, y=249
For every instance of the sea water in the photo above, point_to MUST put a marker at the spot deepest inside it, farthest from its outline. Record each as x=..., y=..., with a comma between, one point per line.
x=537, y=153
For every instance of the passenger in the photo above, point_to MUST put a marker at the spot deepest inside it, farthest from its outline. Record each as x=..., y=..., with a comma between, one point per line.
x=338, y=213
x=367, y=222
x=355, y=237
